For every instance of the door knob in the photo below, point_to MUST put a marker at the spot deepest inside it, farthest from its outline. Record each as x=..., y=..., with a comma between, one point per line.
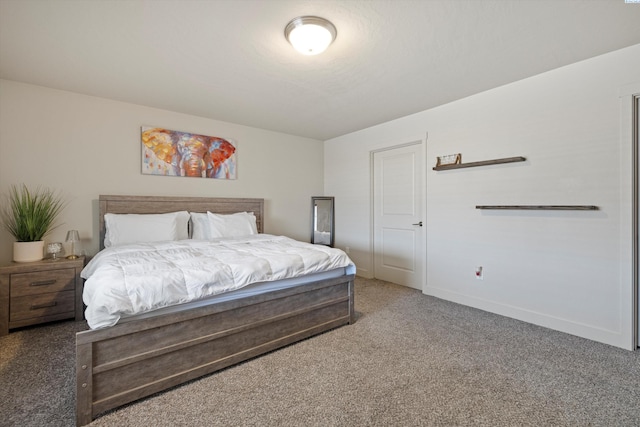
x=419, y=224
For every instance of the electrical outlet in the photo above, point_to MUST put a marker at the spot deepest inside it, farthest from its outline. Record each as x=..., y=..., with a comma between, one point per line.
x=347, y=249
x=479, y=273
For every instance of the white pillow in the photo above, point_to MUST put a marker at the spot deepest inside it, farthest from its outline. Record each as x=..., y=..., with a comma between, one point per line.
x=122, y=229
x=200, y=229
x=234, y=225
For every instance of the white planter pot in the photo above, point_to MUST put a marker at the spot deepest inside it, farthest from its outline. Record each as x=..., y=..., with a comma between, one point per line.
x=28, y=251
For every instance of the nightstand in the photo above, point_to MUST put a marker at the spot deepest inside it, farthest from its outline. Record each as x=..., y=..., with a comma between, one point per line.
x=39, y=292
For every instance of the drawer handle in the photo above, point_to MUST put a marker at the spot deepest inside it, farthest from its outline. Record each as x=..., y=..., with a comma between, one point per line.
x=43, y=283
x=39, y=306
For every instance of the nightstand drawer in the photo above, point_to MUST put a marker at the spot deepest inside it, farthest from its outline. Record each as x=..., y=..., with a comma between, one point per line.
x=40, y=282
x=32, y=306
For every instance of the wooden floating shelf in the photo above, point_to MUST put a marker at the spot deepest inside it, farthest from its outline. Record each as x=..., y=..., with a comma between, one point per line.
x=541, y=207
x=481, y=163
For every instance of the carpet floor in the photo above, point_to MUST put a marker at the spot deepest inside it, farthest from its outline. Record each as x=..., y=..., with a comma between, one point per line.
x=409, y=360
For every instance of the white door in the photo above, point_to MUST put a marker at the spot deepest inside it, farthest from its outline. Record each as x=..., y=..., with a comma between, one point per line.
x=398, y=217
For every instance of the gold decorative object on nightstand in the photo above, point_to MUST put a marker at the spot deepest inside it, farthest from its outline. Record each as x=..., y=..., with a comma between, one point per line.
x=39, y=292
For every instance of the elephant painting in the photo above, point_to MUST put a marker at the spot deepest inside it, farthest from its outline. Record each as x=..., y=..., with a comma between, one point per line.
x=167, y=152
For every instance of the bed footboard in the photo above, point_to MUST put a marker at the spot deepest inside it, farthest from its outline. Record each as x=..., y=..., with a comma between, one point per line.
x=135, y=359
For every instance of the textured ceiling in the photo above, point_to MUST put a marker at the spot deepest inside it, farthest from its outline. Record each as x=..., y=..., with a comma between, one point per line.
x=228, y=59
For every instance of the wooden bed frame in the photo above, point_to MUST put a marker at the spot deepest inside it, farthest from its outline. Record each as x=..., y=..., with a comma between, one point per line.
x=137, y=358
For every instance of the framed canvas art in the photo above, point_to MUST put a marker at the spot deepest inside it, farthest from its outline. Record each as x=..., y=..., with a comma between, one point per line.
x=174, y=153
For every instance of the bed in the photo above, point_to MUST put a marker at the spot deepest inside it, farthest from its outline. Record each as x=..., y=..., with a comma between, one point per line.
x=146, y=354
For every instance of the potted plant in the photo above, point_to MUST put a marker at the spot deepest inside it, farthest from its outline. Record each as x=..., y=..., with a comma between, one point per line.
x=29, y=216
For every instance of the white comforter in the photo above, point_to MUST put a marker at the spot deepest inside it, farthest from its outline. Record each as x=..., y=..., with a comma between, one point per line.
x=133, y=279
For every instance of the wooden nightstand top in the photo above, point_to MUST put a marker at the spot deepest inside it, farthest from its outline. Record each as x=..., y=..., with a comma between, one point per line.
x=45, y=264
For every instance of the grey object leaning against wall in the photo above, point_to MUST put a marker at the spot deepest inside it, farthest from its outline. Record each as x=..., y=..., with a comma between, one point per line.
x=322, y=221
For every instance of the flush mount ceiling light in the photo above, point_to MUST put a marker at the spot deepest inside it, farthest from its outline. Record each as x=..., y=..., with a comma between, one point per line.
x=310, y=35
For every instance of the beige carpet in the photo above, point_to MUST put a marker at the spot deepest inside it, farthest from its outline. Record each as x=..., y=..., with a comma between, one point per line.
x=409, y=360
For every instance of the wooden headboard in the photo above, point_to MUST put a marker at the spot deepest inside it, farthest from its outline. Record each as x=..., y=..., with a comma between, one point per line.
x=162, y=204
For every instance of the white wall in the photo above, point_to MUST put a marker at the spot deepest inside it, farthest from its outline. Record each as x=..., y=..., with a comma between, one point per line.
x=564, y=270
x=85, y=146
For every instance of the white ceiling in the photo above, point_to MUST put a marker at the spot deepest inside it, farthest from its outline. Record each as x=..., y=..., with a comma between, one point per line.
x=228, y=59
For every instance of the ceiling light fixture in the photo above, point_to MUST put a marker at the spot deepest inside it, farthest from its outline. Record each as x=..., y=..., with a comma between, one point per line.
x=310, y=35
